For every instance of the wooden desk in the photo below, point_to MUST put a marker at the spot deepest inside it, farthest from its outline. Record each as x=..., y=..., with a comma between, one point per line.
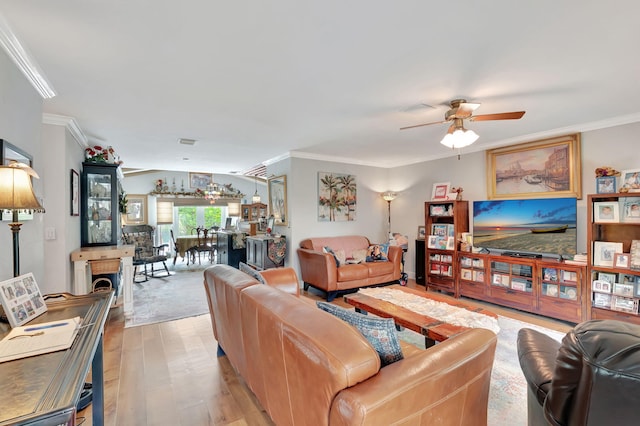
x=44, y=389
x=80, y=260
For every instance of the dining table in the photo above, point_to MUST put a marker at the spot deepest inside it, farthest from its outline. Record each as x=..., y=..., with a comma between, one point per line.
x=185, y=242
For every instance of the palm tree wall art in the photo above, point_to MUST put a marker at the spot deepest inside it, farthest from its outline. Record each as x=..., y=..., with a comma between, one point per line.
x=337, y=196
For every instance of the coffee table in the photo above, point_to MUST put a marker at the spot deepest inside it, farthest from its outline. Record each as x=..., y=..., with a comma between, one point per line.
x=433, y=329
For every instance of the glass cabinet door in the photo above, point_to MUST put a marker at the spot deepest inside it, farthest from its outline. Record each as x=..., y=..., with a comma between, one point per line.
x=99, y=205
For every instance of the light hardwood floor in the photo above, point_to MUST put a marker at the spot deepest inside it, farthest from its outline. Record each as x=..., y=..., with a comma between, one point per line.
x=169, y=374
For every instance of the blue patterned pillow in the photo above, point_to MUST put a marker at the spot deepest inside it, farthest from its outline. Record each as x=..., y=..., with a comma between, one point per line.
x=250, y=271
x=380, y=332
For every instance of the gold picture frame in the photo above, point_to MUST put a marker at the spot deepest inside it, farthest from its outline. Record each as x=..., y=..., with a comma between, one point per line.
x=545, y=168
x=136, y=210
x=200, y=180
x=277, y=189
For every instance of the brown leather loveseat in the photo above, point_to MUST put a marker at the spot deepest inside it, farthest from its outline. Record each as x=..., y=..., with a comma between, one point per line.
x=307, y=367
x=591, y=378
x=319, y=269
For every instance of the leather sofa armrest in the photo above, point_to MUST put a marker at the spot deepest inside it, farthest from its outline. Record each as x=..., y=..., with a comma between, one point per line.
x=537, y=354
x=319, y=269
x=395, y=256
x=284, y=279
x=406, y=389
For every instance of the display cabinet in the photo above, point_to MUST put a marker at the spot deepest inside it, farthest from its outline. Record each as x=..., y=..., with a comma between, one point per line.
x=100, y=217
x=445, y=221
x=560, y=290
x=472, y=276
x=613, y=224
x=542, y=286
x=252, y=212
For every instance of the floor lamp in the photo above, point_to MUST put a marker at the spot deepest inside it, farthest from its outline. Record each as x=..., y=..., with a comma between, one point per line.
x=16, y=193
x=389, y=196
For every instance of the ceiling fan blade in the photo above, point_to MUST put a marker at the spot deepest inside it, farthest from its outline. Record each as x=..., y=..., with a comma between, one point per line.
x=420, y=125
x=514, y=115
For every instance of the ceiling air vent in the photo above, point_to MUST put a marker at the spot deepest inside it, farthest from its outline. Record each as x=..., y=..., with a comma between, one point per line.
x=185, y=141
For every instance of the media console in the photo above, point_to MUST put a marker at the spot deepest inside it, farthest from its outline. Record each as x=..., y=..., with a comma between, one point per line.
x=538, y=285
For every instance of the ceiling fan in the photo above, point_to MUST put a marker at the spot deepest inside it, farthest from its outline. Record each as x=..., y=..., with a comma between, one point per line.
x=458, y=136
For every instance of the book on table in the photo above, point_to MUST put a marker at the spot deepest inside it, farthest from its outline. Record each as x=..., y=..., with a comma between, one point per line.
x=36, y=339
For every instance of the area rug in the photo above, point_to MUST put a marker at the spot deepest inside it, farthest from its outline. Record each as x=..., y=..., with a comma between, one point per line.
x=180, y=295
x=508, y=392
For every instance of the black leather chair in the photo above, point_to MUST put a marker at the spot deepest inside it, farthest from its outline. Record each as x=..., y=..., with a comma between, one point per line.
x=591, y=378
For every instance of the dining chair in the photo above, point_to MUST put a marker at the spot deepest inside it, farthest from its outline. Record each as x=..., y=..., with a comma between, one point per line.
x=176, y=250
x=205, y=244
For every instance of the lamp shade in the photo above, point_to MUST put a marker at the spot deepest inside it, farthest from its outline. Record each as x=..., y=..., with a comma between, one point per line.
x=388, y=195
x=459, y=138
x=16, y=192
x=164, y=210
x=233, y=209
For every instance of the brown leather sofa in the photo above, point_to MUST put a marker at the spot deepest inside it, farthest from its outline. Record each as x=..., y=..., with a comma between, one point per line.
x=591, y=378
x=319, y=270
x=307, y=367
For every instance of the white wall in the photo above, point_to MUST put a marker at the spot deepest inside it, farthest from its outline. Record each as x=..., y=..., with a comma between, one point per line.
x=21, y=124
x=63, y=153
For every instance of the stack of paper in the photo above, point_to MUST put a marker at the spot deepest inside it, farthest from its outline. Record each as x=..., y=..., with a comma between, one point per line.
x=38, y=339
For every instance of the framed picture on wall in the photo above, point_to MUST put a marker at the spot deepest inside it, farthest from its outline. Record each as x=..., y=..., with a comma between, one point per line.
x=136, y=209
x=200, y=180
x=277, y=189
x=521, y=171
x=75, y=193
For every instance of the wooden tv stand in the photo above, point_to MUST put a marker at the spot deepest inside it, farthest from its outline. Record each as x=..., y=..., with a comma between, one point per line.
x=541, y=286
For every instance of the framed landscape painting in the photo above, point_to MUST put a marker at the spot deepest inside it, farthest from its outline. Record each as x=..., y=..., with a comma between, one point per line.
x=544, y=168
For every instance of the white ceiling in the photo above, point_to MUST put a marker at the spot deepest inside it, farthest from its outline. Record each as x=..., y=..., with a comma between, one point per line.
x=257, y=80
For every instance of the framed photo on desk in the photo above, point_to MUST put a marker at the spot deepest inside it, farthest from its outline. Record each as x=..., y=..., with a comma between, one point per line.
x=21, y=299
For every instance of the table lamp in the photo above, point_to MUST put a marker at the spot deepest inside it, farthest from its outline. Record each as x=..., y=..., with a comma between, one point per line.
x=16, y=193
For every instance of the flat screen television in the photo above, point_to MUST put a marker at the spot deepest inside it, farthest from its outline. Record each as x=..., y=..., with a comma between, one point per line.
x=534, y=226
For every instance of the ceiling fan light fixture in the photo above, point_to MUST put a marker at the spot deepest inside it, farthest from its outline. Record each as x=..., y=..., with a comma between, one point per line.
x=459, y=138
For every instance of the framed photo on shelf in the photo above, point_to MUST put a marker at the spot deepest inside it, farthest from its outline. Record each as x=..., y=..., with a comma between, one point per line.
x=451, y=243
x=630, y=209
x=21, y=299
x=440, y=191
x=627, y=278
x=421, y=232
x=604, y=251
x=623, y=289
x=533, y=157
x=604, y=212
x=624, y=304
x=432, y=241
x=606, y=184
x=621, y=260
x=602, y=300
x=630, y=180
x=634, y=261
x=601, y=286
x=607, y=277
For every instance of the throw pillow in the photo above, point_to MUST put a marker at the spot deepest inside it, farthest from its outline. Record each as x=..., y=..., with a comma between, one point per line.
x=359, y=255
x=340, y=256
x=380, y=332
x=377, y=252
x=327, y=249
x=250, y=271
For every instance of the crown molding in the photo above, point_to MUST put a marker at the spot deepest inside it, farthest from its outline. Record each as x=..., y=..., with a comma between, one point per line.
x=70, y=124
x=24, y=61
